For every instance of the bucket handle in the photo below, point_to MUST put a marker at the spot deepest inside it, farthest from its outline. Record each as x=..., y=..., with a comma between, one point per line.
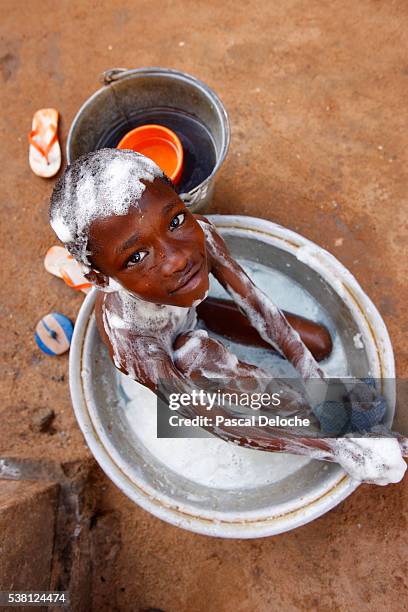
x=114, y=74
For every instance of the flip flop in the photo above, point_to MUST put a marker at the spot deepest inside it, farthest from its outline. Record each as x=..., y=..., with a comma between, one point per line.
x=45, y=152
x=53, y=333
x=60, y=263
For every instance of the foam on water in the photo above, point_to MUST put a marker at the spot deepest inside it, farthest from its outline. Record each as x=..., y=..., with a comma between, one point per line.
x=209, y=462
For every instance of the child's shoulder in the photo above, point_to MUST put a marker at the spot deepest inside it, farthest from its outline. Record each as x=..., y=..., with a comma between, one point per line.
x=215, y=244
x=203, y=220
x=207, y=225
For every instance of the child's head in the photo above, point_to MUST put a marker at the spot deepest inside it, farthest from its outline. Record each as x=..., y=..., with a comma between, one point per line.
x=118, y=214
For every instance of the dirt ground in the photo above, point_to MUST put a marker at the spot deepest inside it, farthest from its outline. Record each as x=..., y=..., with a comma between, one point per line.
x=316, y=93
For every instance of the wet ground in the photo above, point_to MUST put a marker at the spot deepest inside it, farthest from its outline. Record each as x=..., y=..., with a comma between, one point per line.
x=316, y=95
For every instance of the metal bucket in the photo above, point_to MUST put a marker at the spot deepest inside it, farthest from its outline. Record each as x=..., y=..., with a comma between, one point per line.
x=297, y=498
x=127, y=91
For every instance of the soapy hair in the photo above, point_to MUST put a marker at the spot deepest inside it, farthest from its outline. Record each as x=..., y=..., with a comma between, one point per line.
x=97, y=185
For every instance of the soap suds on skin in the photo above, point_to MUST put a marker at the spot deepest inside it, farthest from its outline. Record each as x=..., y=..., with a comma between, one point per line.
x=104, y=183
x=365, y=459
x=211, y=462
x=143, y=318
x=372, y=460
x=62, y=229
x=270, y=322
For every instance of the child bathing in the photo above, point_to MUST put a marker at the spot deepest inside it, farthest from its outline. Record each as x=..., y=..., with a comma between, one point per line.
x=150, y=257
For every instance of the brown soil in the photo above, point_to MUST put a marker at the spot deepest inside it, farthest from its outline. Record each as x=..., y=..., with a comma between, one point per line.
x=316, y=94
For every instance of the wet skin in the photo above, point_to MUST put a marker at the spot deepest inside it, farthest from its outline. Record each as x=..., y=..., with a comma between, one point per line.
x=160, y=252
x=157, y=251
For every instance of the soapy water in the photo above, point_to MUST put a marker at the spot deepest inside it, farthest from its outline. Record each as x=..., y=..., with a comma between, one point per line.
x=210, y=461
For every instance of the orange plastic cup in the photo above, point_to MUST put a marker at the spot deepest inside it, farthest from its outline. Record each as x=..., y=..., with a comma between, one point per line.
x=159, y=143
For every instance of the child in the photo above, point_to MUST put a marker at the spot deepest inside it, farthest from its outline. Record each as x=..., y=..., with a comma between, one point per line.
x=150, y=256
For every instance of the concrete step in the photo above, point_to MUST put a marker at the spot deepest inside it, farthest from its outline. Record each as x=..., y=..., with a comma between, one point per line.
x=27, y=525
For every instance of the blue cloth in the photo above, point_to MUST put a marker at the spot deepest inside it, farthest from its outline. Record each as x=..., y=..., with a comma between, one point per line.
x=364, y=409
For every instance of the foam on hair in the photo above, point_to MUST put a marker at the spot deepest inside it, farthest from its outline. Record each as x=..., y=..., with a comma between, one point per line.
x=99, y=184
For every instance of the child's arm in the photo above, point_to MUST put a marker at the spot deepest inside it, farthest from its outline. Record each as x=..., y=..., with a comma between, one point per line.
x=223, y=317
x=147, y=361
x=263, y=314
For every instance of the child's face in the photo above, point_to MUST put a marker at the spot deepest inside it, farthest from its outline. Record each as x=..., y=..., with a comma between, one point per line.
x=157, y=251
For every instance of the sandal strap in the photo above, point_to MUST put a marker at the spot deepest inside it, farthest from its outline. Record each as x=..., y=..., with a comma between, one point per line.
x=83, y=284
x=44, y=151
